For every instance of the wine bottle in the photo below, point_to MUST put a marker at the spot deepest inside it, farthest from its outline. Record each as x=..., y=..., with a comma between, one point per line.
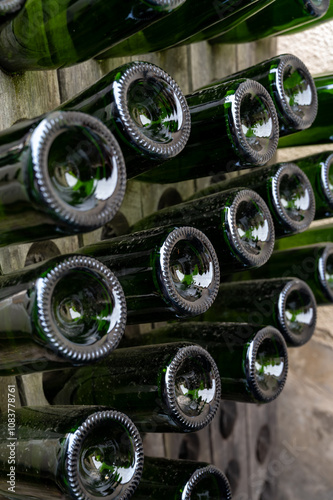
x=314, y=23
x=165, y=273
x=237, y=222
x=181, y=480
x=285, y=188
x=60, y=174
x=67, y=311
x=318, y=170
x=82, y=452
x=53, y=34
x=291, y=88
x=237, y=123
x=168, y=388
x=285, y=303
x=321, y=129
x=9, y=7
x=146, y=110
x=252, y=361
x=189, y=22
x=278, y=18
x=319, y=234
x=312, y=264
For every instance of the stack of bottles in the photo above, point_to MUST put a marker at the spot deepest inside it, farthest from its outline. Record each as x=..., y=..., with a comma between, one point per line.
x=65, y=172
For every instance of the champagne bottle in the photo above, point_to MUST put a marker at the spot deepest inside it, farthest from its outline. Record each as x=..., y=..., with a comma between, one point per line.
x=284, y=188
x=165, y=273
x=164, y=479
x=320, y=234
x=252, y=361
x=68, y=310
x=321, y=129
x=291, y=88
x=278, y=18
x=285, y=303
x=146, y=110
x=50, y=35
x=314, y=23
x=9, y=7
x=69, y=452
x=318, y=170
x=60, y=174
x=237, y=222
x=311, y=263
x=189, y=23
x=168, y=388
x=237, y=123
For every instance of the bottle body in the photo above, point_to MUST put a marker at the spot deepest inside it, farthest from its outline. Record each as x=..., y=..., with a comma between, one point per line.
x=190, y=19
x=237, y=222
x=285, y=303
x=146, y=110
x=276, y=19
x=291, y=88
x=47, y=35
x=181, y=480
x=312, y=263
x=321, y=129
x=238, y=124
x=165, y=273
x=285, y=188
x=312, y=24
x=168, y=388
x=67, y=311
x=60, y=174
x=252, y=361
x=58, y=450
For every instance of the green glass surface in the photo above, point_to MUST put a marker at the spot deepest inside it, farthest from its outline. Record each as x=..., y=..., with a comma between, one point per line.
x=167, y=479
x=321, y=131
x=153, y=106
x=230, y=346
x=237, y=132
x=290, y=86
x=105, y=467
x=81, y=176
x=279, y=17
x=135, y=260
x=134, y=381
x=50, y=35
x=315, y=235
x=252, y=229
x=316, y=22
x=294, y=196
x=261, y=302
x=190, y=19
x=301, y=262
x=83, y=314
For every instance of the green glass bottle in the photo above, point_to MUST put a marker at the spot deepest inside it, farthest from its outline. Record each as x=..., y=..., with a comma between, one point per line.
x=53, y=34
x=145, y=109
x=237, y=123
x=315, y=22
x=285, y=303
x=172, y=387
x=60, y=174
x=291, y=88
x=167, y=479
x=9, y=8
x=318, y=169
x=67, y=311
x=284, y=188
x=190, y=21
x=165, y=272
x=276, y=19
x=237, y=222
x=252, y=361
x=320, y=234
x=76, y=453
x=225, y=23
x=321, y=129
x=312, y=264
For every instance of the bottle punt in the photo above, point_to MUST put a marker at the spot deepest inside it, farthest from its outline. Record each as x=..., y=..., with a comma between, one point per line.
x=207, y=482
